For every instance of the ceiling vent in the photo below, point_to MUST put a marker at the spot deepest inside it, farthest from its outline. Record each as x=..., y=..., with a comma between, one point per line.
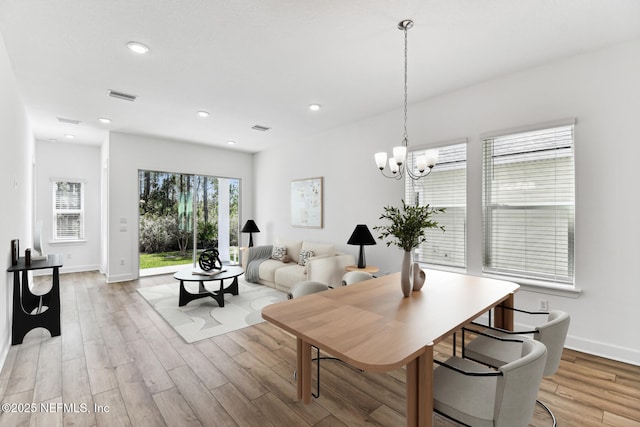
x=68, y=121
x=260, y=128
x=122, y=95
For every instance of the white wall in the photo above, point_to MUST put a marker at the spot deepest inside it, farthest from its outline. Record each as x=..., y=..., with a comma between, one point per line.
x=104, y=206
x=129, y=153
x=16, y=188
x=599, y=88
x=55, y=160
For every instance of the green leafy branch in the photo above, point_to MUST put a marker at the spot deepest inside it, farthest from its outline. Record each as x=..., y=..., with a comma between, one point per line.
x=407, y=225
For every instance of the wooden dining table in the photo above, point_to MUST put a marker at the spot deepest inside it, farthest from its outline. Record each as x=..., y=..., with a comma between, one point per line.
x=372, y=326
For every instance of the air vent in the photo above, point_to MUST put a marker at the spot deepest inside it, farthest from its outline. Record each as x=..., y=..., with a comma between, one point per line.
x=122, y=95
x=260, y=128
x=68, y=121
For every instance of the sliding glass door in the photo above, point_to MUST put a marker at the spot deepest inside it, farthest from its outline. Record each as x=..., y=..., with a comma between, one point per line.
x=183, y=214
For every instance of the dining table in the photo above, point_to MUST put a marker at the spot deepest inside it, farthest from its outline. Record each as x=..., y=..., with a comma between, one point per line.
x=371, y=326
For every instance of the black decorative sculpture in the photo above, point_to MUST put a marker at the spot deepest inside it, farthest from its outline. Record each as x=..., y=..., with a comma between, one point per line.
x=209, y=260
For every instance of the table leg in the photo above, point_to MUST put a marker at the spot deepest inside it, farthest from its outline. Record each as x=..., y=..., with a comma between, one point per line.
x=420, y=389
x=504, y=318
x=233, y=288
x=425, y=386
x=54, y=304
x=303, y=366
x=412, y=393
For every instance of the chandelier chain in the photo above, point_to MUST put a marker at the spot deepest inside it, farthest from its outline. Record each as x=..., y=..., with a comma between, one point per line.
x=403, y=166
x=406, y=137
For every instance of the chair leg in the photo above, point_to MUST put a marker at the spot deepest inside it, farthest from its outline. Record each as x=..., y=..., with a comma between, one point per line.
x=317, y=394
x=454, y=343
x=317, y=360
x=546, y=408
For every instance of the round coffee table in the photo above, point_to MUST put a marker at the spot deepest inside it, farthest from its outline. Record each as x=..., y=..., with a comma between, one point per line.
x=227, y=272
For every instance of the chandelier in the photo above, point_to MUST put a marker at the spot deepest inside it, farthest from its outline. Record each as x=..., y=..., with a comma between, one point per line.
x=403, y=161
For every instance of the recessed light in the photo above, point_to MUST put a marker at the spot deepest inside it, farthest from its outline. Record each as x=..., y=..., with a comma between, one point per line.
x=314, y=107
x=69, y=136
x=138, y=47
x=203, y=113
x=52, y=140
x=104, y=120
x=231, y=142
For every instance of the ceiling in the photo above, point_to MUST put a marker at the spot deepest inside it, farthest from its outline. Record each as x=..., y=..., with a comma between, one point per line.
x=262, y=62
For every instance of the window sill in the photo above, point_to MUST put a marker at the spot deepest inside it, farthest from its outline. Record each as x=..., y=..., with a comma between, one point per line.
x=540, y=286
x=461, y=270
x=67, y=242
x=530, y=285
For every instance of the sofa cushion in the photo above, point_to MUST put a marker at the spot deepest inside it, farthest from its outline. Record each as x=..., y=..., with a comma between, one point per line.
x=320, y=249
x=293, y=247
x=304, y=256
x=279, y=251
x=289, y=275
x=267, y=269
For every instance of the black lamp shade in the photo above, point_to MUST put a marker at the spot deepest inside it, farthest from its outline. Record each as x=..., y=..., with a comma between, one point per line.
x=250, y=227
x=361, y=236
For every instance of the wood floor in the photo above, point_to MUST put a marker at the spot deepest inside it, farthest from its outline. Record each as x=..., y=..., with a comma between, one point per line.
x=117, y=363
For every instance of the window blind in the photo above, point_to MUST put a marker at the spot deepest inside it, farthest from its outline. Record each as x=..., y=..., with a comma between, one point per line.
x=528, y=204
x=68, y=210
x=445, y=187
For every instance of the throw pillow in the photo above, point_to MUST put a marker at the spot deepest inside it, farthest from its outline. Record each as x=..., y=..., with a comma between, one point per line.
x=286, y=259
x=278, y=252
x=304, y=256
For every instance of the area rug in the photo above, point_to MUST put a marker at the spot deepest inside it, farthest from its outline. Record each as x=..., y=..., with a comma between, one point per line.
x=202, y=318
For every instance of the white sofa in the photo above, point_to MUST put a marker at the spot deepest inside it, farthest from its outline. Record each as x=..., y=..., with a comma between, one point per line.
x=324, y=265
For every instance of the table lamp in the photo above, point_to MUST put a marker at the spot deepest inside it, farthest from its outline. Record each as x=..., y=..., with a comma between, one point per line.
x=361, y=236
x=250, y=227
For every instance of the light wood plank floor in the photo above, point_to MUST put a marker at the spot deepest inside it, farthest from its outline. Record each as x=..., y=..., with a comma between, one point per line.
x=117, y=363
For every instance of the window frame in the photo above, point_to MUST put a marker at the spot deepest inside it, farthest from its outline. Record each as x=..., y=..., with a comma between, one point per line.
x=489, y=207
x=409, y=183
x=56, y=238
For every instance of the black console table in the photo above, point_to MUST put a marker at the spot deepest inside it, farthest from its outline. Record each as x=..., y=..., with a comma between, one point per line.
x=31, y=310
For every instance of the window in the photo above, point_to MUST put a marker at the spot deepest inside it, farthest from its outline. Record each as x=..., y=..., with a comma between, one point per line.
x=445, y=187
x=528, y=204
x=68, y=210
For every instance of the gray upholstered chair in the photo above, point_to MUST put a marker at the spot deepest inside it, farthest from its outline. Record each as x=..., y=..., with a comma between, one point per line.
x=495, y=352
x=355, y=277
x=477, y=395
x=301, y=289
x=306, y=288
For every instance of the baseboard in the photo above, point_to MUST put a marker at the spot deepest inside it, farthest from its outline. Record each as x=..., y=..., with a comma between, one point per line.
x=70, y=269
x=121, y=278
x=608, y=351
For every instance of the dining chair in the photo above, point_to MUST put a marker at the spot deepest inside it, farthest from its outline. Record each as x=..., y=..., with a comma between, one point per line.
x=486, y=349
x=306, y=288
x=354, y=277
x=477, y=395
x=301, y=289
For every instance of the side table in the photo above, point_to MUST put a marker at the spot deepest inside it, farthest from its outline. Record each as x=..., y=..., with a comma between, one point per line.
x=32, y=310
x=368, y=268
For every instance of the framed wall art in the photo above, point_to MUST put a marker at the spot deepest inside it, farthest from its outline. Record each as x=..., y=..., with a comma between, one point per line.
x=306, y=203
